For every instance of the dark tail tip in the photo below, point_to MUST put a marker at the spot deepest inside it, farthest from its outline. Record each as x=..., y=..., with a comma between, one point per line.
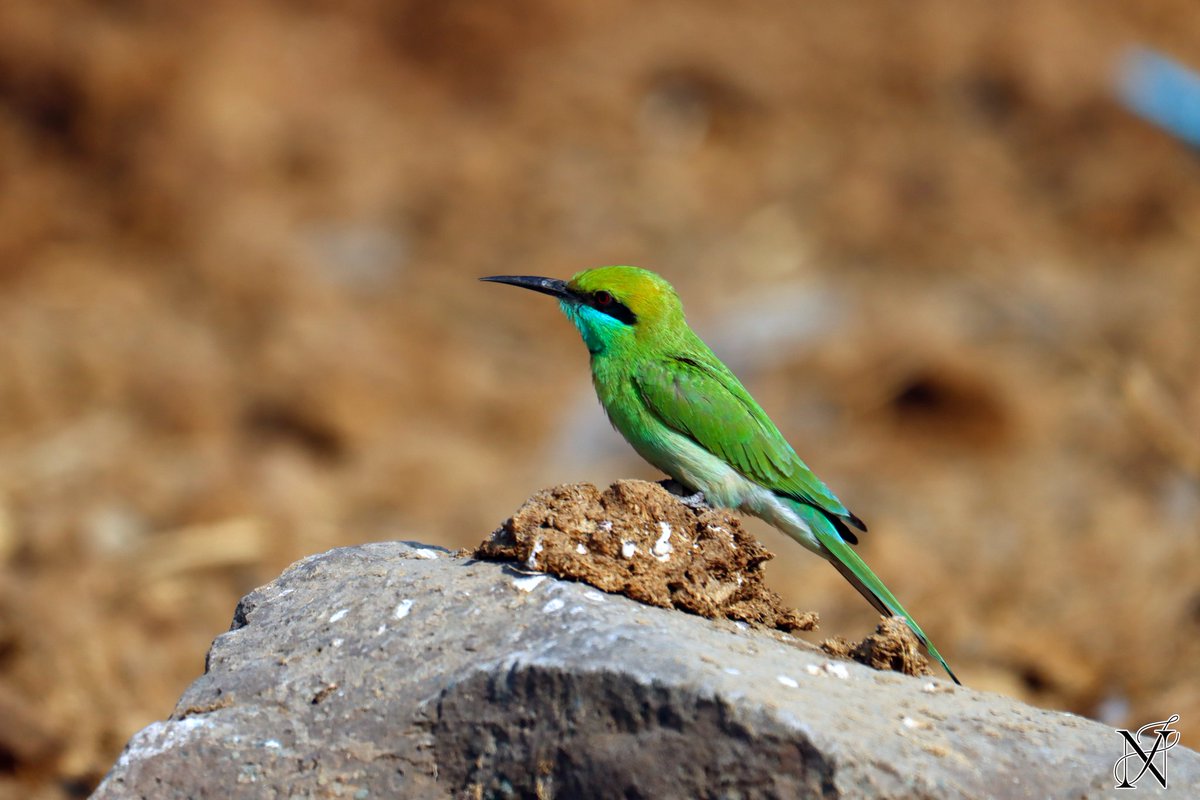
x=933, y=651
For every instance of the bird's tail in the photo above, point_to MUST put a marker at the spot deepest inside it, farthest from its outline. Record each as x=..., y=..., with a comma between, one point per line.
x=860, y=576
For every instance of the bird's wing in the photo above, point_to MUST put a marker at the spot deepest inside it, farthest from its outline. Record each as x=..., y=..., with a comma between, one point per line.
x=702, y=399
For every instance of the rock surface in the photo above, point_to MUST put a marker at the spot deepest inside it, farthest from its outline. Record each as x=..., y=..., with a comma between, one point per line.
x=394, y=670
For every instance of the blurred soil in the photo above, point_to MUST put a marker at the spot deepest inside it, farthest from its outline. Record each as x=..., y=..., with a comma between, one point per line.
x=639, y=540
x=238, y=251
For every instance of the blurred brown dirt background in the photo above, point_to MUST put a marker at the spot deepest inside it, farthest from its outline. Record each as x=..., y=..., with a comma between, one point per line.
x=240, y=322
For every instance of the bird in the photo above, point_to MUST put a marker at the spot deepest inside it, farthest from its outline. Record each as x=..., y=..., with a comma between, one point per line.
x=687, y=414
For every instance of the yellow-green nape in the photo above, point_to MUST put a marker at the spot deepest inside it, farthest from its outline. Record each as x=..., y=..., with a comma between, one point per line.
x=645, y=293
x=619, y=277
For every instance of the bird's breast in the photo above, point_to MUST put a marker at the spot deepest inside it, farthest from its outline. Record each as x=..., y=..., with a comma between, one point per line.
x=673, y=452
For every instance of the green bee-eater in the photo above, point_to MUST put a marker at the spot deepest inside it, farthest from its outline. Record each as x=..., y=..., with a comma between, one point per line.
x=686, y=413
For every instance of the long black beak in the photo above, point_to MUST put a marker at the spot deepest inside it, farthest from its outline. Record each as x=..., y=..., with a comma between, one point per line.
x=551, y=286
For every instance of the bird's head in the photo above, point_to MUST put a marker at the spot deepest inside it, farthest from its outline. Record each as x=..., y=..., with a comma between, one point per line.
x=613, y=307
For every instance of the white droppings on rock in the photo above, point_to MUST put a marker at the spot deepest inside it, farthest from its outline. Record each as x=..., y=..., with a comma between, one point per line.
x=741, y=625
x=531, y=562
x=593, y=596
x=272, y=744
x=833, y=668
x=380, y=630
x=662, y=546
x=732, y=671
x=606, y=525
x=719, y=529
x=579, y=548
x=285, y=592
x=402, y=608
x=338, y=642
x=338, y=615
x=837, y=670
x=576, y=610
x=788, y=682
x=425, y=552
x=529, y=583
x=914, y=724
x=740, y=579
x=159, y=737
x=829, y=668
x=628, y=549
x=553, y=605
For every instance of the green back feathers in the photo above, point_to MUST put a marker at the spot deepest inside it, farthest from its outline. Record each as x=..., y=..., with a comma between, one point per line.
x=695, y=394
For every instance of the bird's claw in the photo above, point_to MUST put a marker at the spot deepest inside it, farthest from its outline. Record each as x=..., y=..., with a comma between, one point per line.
x=694, y=500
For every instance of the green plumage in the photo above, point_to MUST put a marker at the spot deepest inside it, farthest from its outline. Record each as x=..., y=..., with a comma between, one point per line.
x=683, y=411
x=697, y=395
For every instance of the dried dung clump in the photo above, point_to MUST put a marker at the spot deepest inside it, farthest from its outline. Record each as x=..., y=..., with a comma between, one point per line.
x=893, y=646
x=639, y=540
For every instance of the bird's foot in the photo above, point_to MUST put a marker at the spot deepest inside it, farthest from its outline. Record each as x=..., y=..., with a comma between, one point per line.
x=692, y=500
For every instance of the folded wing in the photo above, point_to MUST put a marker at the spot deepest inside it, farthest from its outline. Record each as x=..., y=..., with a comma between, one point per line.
x=700, y=398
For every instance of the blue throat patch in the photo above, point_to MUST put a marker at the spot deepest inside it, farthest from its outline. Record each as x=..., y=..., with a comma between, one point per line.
x=596, y=327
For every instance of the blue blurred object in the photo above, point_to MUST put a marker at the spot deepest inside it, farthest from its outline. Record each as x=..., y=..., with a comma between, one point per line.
x=1161, y=91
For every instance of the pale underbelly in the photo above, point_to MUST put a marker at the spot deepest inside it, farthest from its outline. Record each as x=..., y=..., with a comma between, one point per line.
x=722, y=485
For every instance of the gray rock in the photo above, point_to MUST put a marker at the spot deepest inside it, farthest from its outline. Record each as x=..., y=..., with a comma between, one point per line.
x=394, y=670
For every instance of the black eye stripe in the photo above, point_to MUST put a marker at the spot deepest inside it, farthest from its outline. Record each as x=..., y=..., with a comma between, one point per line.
x=605, y=302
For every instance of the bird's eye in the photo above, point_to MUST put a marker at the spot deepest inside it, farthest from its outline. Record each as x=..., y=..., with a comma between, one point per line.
x=603, y=298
